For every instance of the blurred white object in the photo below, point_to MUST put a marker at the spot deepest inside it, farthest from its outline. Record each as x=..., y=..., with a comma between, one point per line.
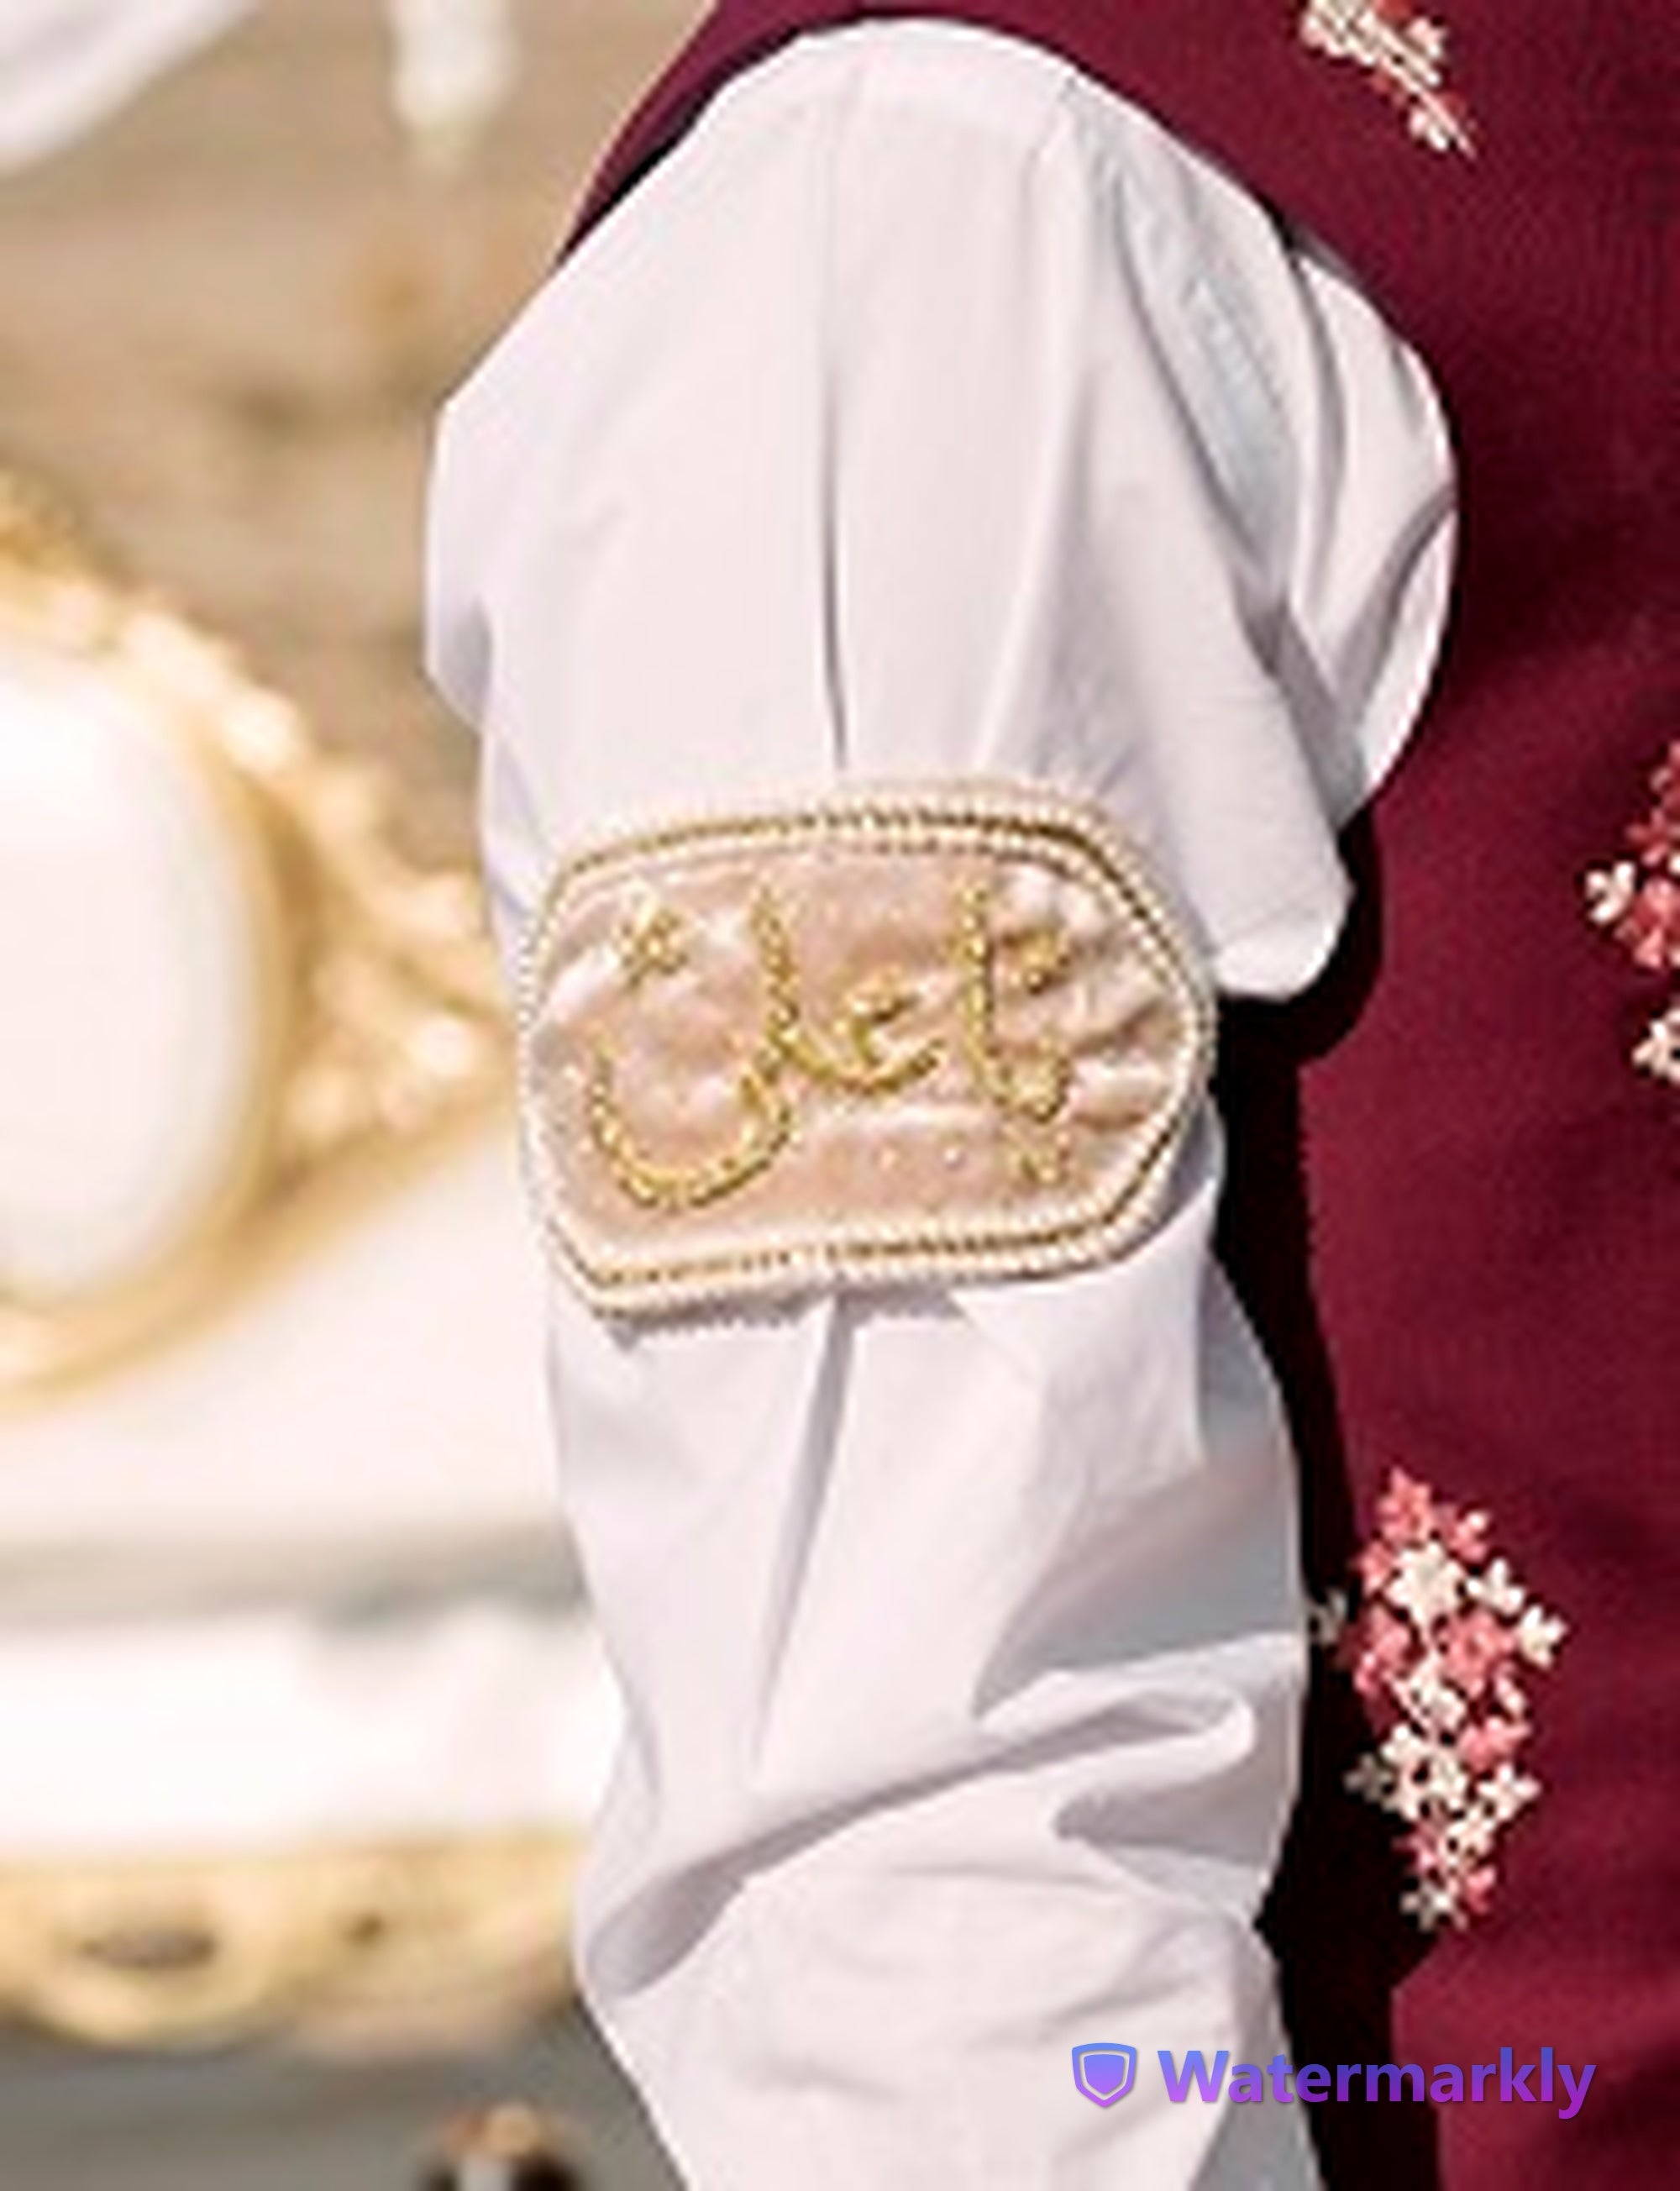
x=301, y=1710
x=66, y=64
x=263, y=1731
x=454, y=70
x=130, y=957
x=367, y=1419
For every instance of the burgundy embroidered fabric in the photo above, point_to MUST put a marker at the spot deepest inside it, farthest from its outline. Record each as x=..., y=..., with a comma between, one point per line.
x=1453, y=1206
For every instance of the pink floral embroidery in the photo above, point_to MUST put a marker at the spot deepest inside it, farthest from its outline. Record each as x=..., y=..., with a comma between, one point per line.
x=1404, y=57
x=1636, y=900
x=1473, y=1646
x=1440, y=1644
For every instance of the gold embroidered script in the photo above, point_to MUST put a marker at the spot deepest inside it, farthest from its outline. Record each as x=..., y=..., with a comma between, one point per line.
x=897, y=1035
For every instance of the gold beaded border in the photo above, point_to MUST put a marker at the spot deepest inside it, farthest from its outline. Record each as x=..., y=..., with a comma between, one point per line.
x=1077, y=839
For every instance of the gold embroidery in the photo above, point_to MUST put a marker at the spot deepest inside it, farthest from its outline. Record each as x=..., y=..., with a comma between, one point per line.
x=918, y=1033
x=650, y=941
x=852, y=1057
x=1045, y=959
x=766, y=1131
x=1034, y=1083
x=1030, y=1088
x=1405, y=56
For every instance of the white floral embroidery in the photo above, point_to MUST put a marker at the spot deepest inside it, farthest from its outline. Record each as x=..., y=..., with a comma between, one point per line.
x=1610, y=892
x=1496, y=1588
x=1538, y=1636
x=1426, y=1584
x=1405, y=56
x=1658, y=1051
x=1431, y=1699
x=1635, y=900
x=1327, y=1619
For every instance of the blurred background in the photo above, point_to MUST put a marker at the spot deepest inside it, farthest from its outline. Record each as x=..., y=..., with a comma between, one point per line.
x=301, y=1716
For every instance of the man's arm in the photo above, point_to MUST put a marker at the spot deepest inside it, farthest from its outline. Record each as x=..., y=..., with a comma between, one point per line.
x=923, y=419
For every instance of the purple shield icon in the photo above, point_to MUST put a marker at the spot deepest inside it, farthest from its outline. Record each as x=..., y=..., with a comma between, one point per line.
x=1105, y=2073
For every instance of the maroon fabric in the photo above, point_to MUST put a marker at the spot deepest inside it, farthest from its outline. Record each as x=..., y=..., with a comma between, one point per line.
x=1454, y=1211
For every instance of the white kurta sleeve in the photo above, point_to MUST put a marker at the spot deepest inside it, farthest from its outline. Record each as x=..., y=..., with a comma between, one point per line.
x=928, y=414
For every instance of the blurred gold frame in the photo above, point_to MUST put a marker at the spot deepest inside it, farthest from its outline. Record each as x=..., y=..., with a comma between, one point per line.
x=402, y=1945
x=379, y=1033
x=380, y=1020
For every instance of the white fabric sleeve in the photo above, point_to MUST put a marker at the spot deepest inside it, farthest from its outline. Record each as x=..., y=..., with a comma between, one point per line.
x=66, y=65
x=926, y=413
